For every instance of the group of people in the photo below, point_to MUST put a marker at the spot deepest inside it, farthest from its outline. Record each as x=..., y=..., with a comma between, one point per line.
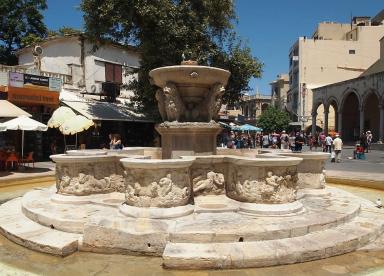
x=115, y=141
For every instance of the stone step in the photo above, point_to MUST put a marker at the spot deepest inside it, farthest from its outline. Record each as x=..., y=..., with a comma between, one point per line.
x=316, y=245
x=15, y=226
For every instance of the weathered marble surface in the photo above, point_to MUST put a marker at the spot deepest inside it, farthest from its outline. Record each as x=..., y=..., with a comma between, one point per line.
x=330, y=224
x=157, y=183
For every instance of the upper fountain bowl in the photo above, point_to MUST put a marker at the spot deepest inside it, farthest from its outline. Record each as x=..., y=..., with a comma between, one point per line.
x=189, y=74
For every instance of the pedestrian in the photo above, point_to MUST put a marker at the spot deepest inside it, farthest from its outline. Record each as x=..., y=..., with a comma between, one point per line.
x=338, y=146
x=363, y=141
x=111, y=139
x=299, y=142
x=328, y=143
x=369, y=140
x=117, y=142
x=265, y=140
x=284, y=140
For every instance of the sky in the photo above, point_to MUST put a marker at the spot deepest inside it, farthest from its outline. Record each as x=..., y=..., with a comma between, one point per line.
x=268, y=27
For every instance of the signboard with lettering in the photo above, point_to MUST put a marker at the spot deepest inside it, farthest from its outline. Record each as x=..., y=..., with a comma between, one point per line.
x=35, y=80
x=32, y=96
x=54, y=84
x=16, y=79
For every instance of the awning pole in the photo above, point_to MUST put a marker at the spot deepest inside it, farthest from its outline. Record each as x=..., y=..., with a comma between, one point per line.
x=22, y=144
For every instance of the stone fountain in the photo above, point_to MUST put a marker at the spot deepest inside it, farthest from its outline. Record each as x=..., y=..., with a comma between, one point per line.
x=196, y=206
x=189, y=100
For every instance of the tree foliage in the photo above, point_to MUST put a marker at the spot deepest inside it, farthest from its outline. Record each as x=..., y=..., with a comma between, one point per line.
x=165, y=29
x=21, y=22
x=273, y=119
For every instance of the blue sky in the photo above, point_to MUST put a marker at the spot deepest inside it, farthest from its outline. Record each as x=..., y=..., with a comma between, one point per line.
x=269, y=27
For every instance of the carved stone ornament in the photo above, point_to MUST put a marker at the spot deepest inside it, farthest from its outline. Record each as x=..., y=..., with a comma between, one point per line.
x=211, y=183
x=85, y=182
x=170, y=104
x=160, y=192
x=271, y=189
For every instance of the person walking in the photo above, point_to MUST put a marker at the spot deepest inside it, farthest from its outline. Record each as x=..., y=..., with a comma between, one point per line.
x=338, y=146
x=328, y=143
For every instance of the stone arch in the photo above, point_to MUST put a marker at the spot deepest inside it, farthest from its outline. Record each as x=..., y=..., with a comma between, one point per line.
x=332, y=106
x=320, y=120
x=370, y=106
x=350, y=108
x=346, y=94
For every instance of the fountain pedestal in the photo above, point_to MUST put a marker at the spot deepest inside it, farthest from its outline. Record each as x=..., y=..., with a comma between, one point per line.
x=188, y=138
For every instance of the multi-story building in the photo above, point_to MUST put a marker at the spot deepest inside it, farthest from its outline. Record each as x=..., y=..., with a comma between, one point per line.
x=87, y=79
x=336, y=52
x=279, y=89
x=252, y=106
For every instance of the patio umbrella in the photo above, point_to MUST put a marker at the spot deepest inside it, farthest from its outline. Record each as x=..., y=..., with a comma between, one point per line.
x=60, y=115
x=248, y=127
x=3, y=127
x=75, y=125
x=24, y=123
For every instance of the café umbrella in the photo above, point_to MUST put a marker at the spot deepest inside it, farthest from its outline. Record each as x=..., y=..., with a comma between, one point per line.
x=75, y=125
x=24, y=123
x=60, y=115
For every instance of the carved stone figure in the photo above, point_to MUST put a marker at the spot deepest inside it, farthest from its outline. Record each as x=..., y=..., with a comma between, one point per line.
x=173, y=104
x=161, y=193
x=161, y=104
x=271, y=189
x=212, y=184
x=213, y=101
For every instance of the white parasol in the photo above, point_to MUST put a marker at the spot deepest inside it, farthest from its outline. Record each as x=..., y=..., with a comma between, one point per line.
x=24, y=123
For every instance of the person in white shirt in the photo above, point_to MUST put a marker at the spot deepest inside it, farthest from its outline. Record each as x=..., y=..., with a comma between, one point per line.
x=338, y=146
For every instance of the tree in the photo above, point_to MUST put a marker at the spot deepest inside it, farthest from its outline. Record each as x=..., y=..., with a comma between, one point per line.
x=21, y=22
x=163, y=30
x=273, y=119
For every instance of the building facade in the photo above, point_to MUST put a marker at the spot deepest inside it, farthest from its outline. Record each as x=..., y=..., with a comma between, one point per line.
x=336, y=52
x=279, y=89
x=252, y=106
x=90, y=82
x=358, y=103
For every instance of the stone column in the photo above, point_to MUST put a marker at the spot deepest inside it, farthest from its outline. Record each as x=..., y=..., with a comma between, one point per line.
x=361, y=120
x=340, y=122
x=326, y=112
x=381, y=125
x=314, y=115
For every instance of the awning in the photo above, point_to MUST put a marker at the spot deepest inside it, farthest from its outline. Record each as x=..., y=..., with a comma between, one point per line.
x=8, y=109
x=104, y=111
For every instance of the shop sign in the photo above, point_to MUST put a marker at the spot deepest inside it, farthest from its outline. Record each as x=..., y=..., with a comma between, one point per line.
x=16, y=79
x=55, y=84
x=32, y=96
x=3, y=78
x=35, y=80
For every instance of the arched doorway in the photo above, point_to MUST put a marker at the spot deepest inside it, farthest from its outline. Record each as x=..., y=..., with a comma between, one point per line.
x=350, y=115
x=372, y=115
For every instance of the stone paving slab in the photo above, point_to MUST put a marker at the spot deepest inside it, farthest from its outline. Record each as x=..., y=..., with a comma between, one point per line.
x=18, y=228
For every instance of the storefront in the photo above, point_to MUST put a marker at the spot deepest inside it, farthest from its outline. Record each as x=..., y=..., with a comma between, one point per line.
x=39, y=96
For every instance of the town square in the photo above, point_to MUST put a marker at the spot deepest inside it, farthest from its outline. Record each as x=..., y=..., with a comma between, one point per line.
x=191, y=137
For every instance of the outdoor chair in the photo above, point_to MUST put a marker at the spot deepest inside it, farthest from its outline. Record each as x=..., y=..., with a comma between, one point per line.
x=12, y=160
x=28, y=159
